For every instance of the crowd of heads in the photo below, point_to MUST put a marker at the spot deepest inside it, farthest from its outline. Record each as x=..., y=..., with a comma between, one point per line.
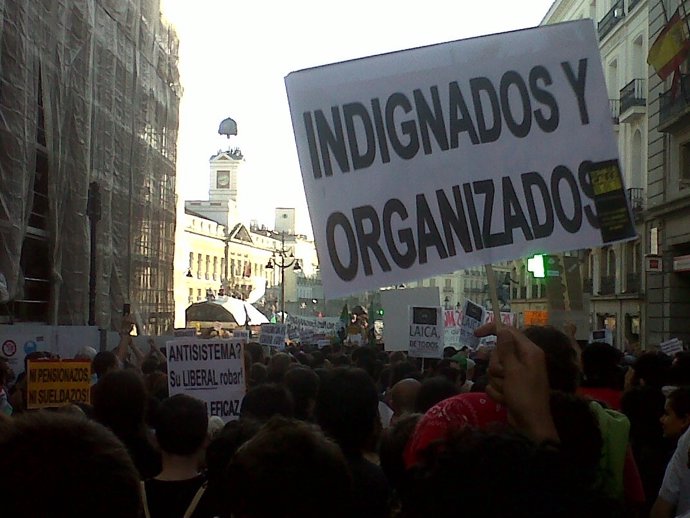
x=342, y=431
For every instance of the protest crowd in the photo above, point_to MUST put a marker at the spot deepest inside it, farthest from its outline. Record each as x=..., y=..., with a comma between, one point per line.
x=534, y=425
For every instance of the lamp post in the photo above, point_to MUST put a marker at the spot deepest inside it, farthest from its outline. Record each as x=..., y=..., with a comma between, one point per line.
x=283, y=258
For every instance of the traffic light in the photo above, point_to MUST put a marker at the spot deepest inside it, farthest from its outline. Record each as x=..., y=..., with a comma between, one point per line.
x=379, y=312
x=535, y=264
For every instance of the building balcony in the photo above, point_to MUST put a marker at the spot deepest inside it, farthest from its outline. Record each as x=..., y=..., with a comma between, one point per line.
x=674, y=105
x=448, y=289
x=636, y=200
x=633, y=283
x=633, y=101
x=611, y=19
x=608, y=285
x=615, y=108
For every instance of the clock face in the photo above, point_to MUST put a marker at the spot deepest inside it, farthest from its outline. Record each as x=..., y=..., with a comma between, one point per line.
x=223, y=180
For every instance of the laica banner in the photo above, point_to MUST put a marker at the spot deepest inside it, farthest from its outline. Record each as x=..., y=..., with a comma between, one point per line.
x=465, y=153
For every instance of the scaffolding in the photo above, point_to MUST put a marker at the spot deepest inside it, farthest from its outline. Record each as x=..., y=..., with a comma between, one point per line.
x=89, y=95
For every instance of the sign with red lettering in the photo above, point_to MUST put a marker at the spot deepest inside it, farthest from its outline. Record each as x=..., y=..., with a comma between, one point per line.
x=434, y=159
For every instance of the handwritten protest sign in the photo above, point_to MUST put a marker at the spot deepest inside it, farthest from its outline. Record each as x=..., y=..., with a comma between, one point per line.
x=209, y=370
x=426, y=332
x=55, y=383
x=466, y=160
x=273, y=335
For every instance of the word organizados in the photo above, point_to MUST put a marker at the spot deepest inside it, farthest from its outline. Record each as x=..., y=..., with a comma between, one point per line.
x=357, y=135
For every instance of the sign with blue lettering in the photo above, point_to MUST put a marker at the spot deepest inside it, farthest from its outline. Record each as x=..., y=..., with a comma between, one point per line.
x=449, y=156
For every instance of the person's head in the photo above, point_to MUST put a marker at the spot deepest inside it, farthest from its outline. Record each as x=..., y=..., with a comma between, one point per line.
x=303, y=384
x=86, y=353
x=6, y=373
x=561, y=361
x=403, y=396
x=393, y=442
x=150, y=365
x=651, y=369
x=266, y=400
x=258, y=373
x=278, y=365
x=181, y=425
x=434, y=390
x=218, y=454
x=679, y=374
x=347, y=407
x=255, y=351
x=676, y=418
x=402, y=370
x=600, y=366
x=104, y=362
x=76, y=466
x=119, y=401
x=306, y=473
x=496, y=474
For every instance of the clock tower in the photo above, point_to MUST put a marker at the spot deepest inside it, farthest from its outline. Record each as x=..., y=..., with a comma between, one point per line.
x=224, y=169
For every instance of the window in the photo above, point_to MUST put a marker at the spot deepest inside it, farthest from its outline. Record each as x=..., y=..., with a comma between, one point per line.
x=191, y=260
x=685, y=161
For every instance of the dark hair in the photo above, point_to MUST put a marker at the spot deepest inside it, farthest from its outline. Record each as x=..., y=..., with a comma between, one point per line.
x=458, y=477
x=303, y=384
x=278, y=366
x=103, y=362
x=393, y=442
x=306, y=473
x=402, y=370
x=149, y=365
x=347, y=407
x=258, y=373
x=434, y=390
x=561, y=362
x=600, y=366
x=266, y=400
x=218, y=454
x=653, y=368
x=57, y=454
x=181, y=425
x=579, y=432
x=255, y=351
x=679, y=401
x=679, y=373
x=119, y=401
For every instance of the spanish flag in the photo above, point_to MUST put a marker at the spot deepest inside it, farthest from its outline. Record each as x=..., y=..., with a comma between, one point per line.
x=670, y=48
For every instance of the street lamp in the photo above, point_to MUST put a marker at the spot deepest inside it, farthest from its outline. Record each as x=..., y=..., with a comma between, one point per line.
x=283, y=258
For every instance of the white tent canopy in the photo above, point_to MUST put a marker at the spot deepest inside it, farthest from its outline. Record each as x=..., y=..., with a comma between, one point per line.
x=238, y=309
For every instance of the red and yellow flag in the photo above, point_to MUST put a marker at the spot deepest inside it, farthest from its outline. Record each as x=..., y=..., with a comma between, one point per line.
x=670, y=48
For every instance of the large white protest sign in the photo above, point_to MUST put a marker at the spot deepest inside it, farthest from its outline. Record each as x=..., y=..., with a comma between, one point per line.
x=426, y=332
x=471, y=152
x=209, y=370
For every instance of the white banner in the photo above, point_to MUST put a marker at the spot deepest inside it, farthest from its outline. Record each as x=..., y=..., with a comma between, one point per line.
x=465, y=153
x=209, y=370
x=395, y=304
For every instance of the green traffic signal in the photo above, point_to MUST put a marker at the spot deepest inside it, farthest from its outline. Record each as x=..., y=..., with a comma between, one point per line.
x=535, y=264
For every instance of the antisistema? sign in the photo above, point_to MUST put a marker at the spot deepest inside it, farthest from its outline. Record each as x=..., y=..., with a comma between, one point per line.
x=439, y=158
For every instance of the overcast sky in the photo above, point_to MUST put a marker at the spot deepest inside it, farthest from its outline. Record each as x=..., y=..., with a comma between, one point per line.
x=234, y=56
